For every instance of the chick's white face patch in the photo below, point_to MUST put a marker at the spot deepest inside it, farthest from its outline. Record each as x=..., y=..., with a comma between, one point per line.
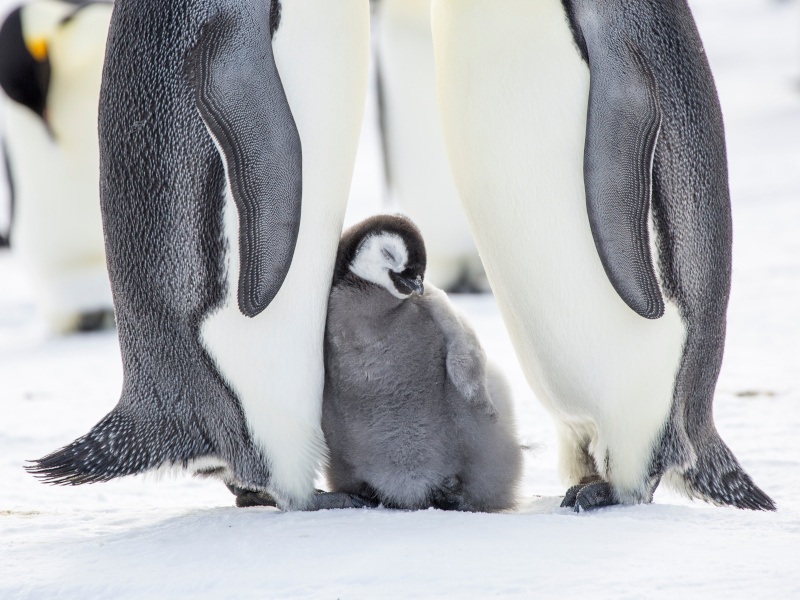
x=376, y=256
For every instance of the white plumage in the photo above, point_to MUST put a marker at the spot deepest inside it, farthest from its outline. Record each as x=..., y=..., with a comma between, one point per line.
x=274, y=361
x=516, y=143
x=419, y=172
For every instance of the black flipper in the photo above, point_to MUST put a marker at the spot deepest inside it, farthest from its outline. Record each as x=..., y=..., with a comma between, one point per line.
x=242, y=101
x=622, y=130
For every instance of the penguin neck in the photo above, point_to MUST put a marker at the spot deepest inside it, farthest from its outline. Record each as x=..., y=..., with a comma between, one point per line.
x=374, y=300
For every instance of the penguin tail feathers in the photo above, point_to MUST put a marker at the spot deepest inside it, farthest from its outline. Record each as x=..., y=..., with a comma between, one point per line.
x=67, y=466
x=117, y=446
x=717, y=477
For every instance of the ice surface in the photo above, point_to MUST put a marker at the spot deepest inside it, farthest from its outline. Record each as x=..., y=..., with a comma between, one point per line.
x=182, y=537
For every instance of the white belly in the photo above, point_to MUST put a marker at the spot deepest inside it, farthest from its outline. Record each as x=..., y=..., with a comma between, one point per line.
x=514, y=95
x=420, y=172
x=274, y=362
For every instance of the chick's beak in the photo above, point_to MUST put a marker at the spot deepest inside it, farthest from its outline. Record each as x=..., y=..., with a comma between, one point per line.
x=416, y=285
x=407, y=285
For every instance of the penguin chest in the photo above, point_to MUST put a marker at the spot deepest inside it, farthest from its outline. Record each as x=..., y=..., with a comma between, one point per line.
x=386, y=401
x=514, y=93
x=385, y=353
x=274, y=361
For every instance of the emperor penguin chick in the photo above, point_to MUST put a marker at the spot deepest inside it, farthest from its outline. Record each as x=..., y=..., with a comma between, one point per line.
x=412, y=414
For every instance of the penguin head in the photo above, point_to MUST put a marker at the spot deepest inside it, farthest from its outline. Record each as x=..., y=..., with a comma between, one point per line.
x=24, y=70
x=29, y=34
x=387, y=251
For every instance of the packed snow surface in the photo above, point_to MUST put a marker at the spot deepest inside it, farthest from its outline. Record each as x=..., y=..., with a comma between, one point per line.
x=182, y=537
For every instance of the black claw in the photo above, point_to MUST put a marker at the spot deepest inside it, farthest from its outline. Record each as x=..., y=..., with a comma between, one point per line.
x=595, y=495
x=572, y=495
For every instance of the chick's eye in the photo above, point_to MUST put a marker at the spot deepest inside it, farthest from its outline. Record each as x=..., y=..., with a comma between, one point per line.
x=388, y=256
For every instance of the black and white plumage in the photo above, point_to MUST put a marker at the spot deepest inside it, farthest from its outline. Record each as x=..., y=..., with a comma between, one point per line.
x=587, y=142
x=228, y=131
x=412, y=414
x=51, y=60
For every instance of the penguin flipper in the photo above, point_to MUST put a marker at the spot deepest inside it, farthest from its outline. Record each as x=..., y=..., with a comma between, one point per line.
x=622, y=130
x=465, y=360
x=241, y=99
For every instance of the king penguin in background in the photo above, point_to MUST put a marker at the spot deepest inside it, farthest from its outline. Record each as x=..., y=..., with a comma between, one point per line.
x=588, y=147
x=417, y=170
x=228, y=132
x=51, y=61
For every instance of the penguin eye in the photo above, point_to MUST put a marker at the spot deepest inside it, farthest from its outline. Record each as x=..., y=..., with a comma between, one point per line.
x=389, y=256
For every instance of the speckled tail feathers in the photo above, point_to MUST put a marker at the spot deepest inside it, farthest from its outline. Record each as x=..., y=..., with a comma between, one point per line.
x=118, y=445
x=717, y=477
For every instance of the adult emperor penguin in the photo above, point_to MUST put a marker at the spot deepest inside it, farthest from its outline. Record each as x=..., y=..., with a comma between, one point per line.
x=52, y=60
x=413, y=415
x=228, y=131
x=418, y=173
x=588, y=147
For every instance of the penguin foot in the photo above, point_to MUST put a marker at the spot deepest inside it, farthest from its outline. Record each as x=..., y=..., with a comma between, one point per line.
x=331, y=500
x=589, y=494
x=247, y=498
x=321, y=500
x=572, y=493
x=595, y=495
x=450, y=495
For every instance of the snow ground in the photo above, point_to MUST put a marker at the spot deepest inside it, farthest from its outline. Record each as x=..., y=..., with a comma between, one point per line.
x=182, y=537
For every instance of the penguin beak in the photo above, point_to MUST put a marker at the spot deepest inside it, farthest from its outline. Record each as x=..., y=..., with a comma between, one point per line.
x=420, y=289
x=416, y=285
x=37, y=48
x=407, y=285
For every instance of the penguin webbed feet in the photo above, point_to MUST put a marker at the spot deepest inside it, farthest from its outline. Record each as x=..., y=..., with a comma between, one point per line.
x=320, y=501
x=449, y=495
x=333, y=500
x=589, y=495
x=246, y=498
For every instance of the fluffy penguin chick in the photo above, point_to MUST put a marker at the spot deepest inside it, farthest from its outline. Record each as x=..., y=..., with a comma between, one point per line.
x=412, y=415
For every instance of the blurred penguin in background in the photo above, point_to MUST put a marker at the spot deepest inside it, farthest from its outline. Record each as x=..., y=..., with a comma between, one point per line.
x=417, y=170
x=51, y=61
